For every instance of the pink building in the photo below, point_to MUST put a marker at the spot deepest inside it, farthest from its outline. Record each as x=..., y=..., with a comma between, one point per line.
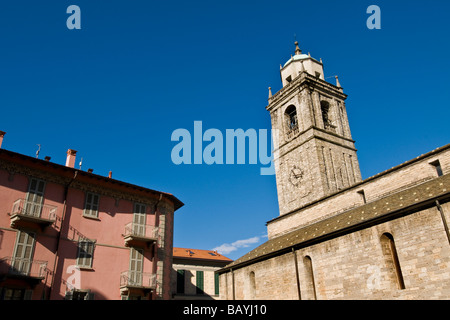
x=71, y=234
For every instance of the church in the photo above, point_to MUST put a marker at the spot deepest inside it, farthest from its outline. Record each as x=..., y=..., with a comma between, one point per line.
x=337, y=236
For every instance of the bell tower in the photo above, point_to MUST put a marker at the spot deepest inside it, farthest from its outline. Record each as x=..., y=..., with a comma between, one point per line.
x=316, y=155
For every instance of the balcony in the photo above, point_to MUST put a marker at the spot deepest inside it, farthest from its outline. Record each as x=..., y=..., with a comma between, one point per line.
x=33, y=215
x=140, y=235
x=32, y=271
x=137, y=282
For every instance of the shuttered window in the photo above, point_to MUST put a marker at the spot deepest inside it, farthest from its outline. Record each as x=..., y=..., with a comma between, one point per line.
x=139, y=219
x=91, y=205
x=199, y=280
x=136, y=266
x=180, y=281
x=35, y=197
x=216, y=283
x=23, y=252
x=85, y=253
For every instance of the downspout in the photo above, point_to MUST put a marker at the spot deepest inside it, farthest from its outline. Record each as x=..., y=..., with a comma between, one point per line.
x=232, y=284
x=444, y=221
x=155, y=250
x=58, y=239
x=296, y=273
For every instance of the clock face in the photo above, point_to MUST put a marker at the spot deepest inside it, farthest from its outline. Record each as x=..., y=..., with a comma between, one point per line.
x=295, y=176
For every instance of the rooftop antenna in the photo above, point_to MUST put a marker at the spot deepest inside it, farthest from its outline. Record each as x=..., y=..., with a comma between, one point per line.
x=81, y=162
x=37, y=152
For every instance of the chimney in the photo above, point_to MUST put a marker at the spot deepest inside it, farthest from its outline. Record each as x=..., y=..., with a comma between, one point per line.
x=70, y=160
x=47, y=158
x=110, y=175
x=2, y=134
x=90, y=170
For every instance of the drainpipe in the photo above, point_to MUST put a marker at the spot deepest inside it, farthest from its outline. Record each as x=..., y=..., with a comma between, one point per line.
x=58, y=239
x=296, y=273
x=444, y=221
x=155, y=250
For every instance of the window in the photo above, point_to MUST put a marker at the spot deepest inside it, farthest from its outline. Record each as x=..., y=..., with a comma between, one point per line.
x=91, y=205
x=139, y=219
x=317, y=74
x=35, y=197
x=79, y=295
x=136, y=266
x=252, y=285
x=391, y=258
x=363, y=195
x=15, y=294
x=23, y=253
x=291, y=121
x=85, y=253
x=311, y=287
x=199, y=282
x=180, y=281
x=289, y=79
x=437, y=165
x=325, y=108
x=216, y=284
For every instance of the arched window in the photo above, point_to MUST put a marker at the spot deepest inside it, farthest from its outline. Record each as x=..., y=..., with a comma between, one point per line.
x=391, y=259
x=252, y=285
x=290, y=116
x=310, y=284
x=325, y=108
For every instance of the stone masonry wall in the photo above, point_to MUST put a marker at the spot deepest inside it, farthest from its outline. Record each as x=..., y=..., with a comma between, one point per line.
x=354, y=266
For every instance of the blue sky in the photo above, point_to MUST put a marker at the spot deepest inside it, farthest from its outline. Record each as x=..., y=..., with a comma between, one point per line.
x=138, y=70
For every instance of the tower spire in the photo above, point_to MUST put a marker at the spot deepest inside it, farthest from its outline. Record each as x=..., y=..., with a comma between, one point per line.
x=297, y=48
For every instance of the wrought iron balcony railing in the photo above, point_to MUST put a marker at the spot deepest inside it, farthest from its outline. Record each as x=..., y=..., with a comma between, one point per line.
x=23, y=267
x=144, y=231
x=35, y=210
x=134, y=279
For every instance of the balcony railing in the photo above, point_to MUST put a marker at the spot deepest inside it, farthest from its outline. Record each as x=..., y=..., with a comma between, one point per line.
x=138, y=234
x=34, y=210
x=134, y=279
x=23, y=267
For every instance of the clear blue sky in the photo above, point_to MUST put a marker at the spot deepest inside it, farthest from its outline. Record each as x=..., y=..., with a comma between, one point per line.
x=137, y=70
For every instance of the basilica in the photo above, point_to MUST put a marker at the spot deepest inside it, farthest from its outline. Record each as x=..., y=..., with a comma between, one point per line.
x=338, y=236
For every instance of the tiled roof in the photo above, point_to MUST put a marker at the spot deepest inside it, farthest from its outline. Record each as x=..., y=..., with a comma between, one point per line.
x=187, y=253
x=390, y=207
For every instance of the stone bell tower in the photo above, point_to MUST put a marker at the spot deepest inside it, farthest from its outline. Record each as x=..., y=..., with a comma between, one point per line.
x=316, y=155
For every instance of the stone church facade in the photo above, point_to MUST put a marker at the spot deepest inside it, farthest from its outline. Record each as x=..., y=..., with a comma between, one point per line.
x=338, y=236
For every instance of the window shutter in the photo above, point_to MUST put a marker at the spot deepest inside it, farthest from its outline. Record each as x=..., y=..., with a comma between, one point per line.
x=180, y=281
x=68, y=295
x=216, y=283
x=28, y=294
x=199, y=280
x=91, y=205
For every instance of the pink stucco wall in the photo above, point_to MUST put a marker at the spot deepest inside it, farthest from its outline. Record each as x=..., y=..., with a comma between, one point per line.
x=110, y=258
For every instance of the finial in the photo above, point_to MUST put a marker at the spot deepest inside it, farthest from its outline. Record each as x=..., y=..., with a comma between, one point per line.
x=297, y=49
x=270, y=92
x=309, y=54
x=321, y=61
x=337, y=82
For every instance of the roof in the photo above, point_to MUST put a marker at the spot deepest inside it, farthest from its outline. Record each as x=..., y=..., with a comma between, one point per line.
x=89, y=177
x=187, y=253
x=391, y=207
x=299, y=57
